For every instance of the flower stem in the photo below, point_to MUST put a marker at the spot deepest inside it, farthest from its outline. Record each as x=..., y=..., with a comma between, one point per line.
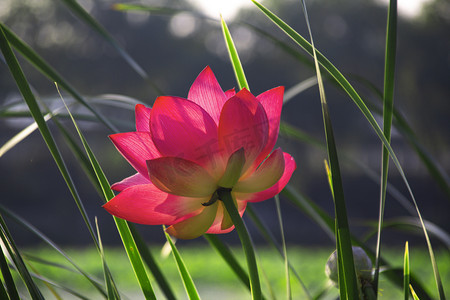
x=247, y=245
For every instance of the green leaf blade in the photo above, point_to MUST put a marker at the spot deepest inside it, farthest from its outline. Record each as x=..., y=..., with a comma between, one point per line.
x=234, y=57
x=188, y=283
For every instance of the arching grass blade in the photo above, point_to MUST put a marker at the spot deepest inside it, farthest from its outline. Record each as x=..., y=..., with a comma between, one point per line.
x=347, y=276
x=189, y=285
x=388, y=107
x=234, y=57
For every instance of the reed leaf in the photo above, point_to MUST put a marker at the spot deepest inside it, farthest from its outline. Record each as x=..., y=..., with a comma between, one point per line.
x=406, y=272
x=188, y=283
x=388, y=107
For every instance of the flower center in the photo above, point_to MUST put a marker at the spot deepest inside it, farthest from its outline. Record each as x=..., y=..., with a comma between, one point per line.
x=216, y=196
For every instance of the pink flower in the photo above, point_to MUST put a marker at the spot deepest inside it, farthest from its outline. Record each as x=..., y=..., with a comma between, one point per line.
x=185, y=150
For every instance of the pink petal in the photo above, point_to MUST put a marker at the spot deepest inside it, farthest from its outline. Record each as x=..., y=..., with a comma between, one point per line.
x=142, y=117
x=222, y=222
x=243, y=124
x=181, y=177
x=272, y=101
x=265, y=176
x=230, y=93
x=181, y=128
x=195, y=226
x=137, y=148
x=146, y=204
x=136, y=179
x=206, y=92
x=290, y=166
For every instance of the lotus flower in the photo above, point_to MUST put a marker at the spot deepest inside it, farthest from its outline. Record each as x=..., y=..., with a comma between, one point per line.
x=186, y=150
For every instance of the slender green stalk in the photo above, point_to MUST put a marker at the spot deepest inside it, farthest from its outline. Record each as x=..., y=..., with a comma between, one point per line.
x=406, y=273
x=388, y=108
x=188, y=283
x=346, y=265
x=247, y=245
x=283, y=242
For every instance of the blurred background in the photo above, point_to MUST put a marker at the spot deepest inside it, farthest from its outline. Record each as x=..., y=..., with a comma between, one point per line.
x=173, y=46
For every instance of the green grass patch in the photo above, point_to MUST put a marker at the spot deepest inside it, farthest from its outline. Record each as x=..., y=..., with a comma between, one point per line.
x=214, y=279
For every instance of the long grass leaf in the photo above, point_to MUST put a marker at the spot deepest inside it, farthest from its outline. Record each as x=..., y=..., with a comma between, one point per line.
x=388, y=106
x=124, y=230
x=234, y=57
x=79, y=11
x=41, y=65
x=343, y=240
x=59, y=286
x=35, y=273
x=330, y=68
x=30, y=100
x=406, y=273
x=283, y=244
x=412, y=224
x=20, y=136
x=16, y=258
x=150, y=261
x=111, y=287
x=11, y=292
x=415, y=297
x=189, y=285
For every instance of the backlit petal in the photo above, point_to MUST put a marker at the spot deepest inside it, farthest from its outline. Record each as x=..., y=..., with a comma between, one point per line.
x=290, y=166
x=195, y=226
x=230, y=93
x=142, y=117
x=146, y=204
x=272, y=101
x=137, y=148
x=243, y=124
x=181, y=177
x=136, y=179
x=222, y=223
x=181, y=128
x=206, y=92
x=265, y=176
